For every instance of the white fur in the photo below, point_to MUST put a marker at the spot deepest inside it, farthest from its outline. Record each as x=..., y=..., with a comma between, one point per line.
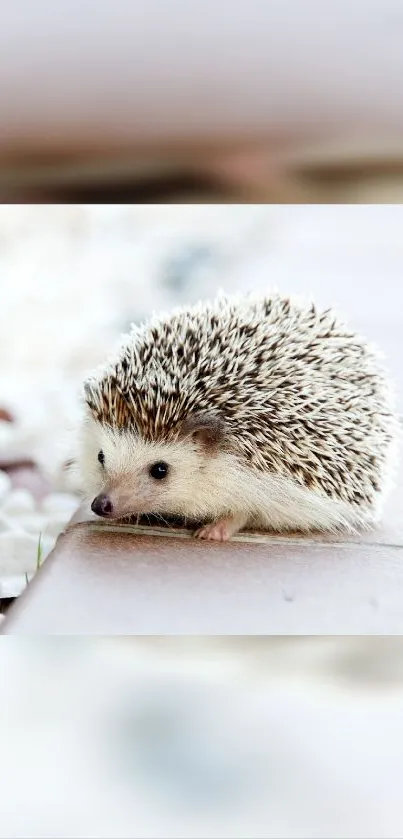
x=203, y=486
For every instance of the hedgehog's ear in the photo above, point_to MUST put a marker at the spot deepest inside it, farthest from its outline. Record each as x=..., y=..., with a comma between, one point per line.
x=205, y=427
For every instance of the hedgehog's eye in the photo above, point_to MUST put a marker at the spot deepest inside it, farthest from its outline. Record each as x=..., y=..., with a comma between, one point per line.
x=159, y=470
x=101, y=458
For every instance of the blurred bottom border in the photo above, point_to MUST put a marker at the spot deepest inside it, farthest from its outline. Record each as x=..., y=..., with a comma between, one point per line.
x=201, y=737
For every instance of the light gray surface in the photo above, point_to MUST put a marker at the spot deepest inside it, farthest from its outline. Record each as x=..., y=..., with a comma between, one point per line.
x=204, y=738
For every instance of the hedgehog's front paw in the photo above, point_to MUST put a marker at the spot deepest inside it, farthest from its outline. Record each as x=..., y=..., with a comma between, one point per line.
x=220, y=531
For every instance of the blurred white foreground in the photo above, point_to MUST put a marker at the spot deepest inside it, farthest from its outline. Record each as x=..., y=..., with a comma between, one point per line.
x=201, y=738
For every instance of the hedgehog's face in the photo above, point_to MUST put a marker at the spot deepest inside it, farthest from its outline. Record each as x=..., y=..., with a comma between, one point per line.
x=125, y=475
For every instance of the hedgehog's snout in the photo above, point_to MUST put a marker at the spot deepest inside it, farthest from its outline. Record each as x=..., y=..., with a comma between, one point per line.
x=102, y=505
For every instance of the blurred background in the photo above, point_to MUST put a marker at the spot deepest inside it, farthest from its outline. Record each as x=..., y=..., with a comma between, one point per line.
x=73, y=278
x=201, y=738
x=283, y=101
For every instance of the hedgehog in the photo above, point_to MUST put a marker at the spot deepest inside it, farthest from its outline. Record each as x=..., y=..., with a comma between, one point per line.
x=244, y=412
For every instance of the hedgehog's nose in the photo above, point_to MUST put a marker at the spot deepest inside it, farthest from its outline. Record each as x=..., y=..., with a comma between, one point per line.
x=102, y=505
